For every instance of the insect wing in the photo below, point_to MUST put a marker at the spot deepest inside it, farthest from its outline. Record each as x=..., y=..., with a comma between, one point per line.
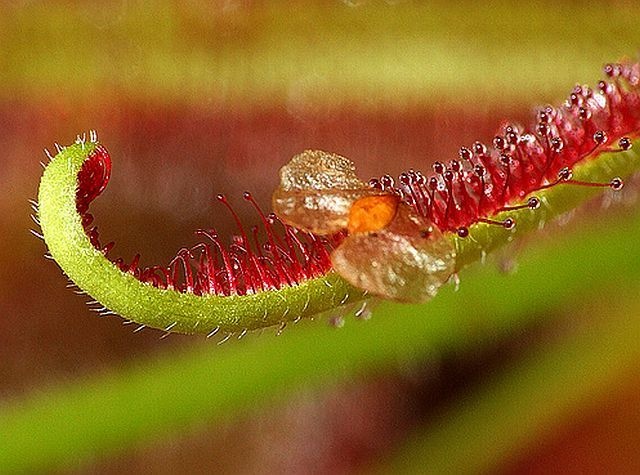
x=319, y=212
x=317, y=190
x=407, y=261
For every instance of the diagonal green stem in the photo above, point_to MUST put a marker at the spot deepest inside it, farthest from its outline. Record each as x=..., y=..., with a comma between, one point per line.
x=111, y=412
x=498, y=421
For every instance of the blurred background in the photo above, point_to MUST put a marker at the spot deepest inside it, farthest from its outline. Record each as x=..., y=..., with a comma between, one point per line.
x=197, y=98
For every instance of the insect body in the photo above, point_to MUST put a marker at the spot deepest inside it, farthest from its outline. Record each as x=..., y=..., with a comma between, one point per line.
x=372, y=213
x=390, y=250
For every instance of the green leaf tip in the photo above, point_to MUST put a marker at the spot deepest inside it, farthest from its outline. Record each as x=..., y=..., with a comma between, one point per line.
x=147, y=305
x=171, y=310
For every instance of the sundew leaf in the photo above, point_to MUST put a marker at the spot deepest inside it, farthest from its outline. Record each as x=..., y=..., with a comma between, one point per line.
x=186, y=312
x=145, y=304
x=108, y=413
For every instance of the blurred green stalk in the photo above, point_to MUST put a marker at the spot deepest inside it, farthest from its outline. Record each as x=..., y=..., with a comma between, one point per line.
x=310, y=54
x=110, y=413
x=491, y=426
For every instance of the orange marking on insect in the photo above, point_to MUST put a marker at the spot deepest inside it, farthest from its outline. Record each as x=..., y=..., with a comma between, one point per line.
x=372, y=213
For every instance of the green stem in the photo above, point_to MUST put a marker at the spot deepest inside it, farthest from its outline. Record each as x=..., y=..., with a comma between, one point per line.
x=492, y=425
x=109, y=413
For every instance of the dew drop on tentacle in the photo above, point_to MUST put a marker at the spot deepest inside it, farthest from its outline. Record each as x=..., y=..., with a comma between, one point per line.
x=508, y=223
x=499, y=143
x=616, y=184
x=462, y=232
x=533, y=202
x=465, y=154
x=625, y=143
x=600, y=137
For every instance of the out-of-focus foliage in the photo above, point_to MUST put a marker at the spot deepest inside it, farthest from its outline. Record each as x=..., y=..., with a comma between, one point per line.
x=312, y=53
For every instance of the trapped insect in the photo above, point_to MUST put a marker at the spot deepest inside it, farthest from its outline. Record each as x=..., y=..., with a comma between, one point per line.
x=395, y=243
x=334, y=238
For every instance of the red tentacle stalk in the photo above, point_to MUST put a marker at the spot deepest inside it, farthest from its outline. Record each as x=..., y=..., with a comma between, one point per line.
x=287, y=258
x=486, y=180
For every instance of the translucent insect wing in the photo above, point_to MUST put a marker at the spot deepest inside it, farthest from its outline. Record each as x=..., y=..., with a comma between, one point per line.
x=317, y=190
x=400, y=262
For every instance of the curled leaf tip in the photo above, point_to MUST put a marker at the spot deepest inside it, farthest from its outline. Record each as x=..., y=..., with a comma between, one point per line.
x=335, y=239
x=76, y=176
